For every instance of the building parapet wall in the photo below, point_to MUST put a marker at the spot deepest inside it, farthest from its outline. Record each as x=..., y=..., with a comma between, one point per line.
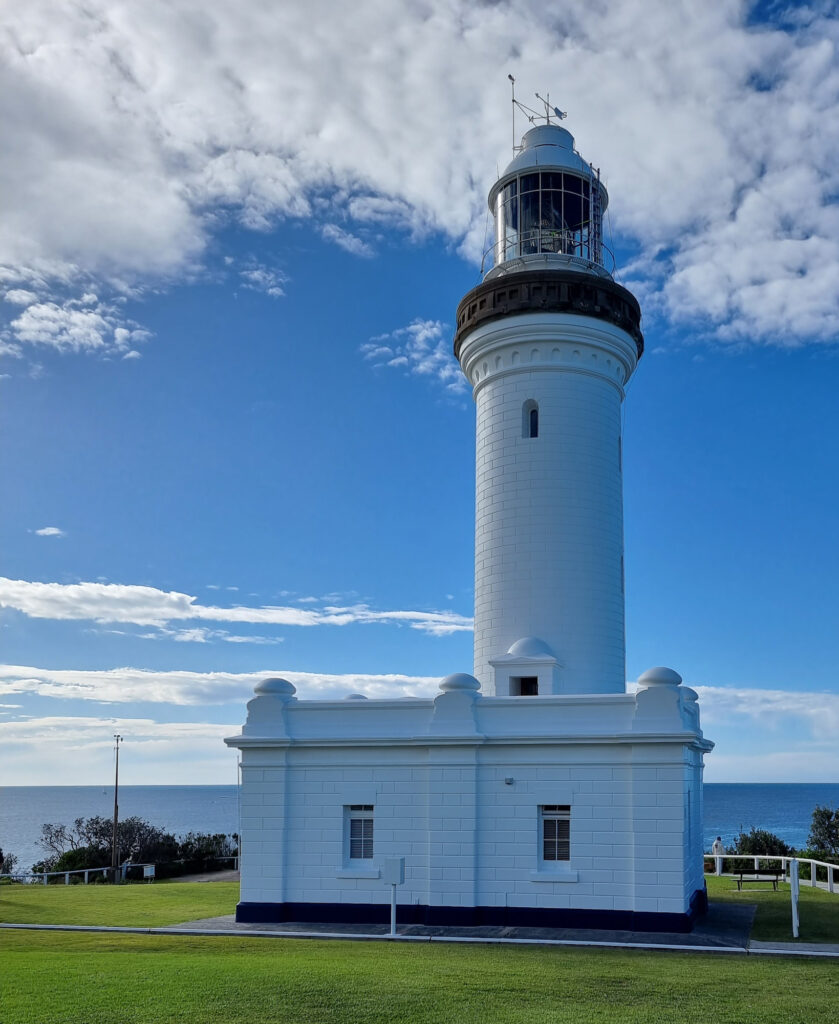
x=460, y=715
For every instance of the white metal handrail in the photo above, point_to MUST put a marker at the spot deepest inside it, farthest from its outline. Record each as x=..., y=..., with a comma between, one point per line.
x=42, y=877
x=549, y=242
x=831, y=869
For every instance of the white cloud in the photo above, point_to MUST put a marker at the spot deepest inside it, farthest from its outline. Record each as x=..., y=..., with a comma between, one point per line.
x=423, y=348
x=261, y=279
x=50, y=531
x=153, y=750
x=148, y=606
x=771, y=708
x=129, y=685
x=202, y=635
x=20, y=297
x=346, y=240
x=722, y=157
x=76, y=325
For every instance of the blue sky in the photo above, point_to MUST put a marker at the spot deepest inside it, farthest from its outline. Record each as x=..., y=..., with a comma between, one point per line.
x=234, y=440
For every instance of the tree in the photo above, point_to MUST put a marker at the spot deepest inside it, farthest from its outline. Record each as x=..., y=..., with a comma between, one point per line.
x=758, y=841
x=90, y=839
x=8, y=863
x=824, y=830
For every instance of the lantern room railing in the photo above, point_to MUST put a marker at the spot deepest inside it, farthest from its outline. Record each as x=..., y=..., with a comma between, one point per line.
x=549, y=242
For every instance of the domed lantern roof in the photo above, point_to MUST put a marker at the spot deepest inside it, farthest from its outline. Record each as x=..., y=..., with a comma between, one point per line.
x=547, y=147
x=548, y=208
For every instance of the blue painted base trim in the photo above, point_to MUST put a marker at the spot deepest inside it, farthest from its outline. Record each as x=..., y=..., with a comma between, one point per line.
x=523, y=917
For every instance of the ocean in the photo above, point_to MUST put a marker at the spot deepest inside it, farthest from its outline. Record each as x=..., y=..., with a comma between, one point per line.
x=784, y=809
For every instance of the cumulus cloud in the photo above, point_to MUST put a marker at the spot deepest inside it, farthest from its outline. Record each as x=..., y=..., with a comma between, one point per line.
x=148, y=606
x=129, y=685
x=346, y=240
x=722, y=157
x=76, y=325
x=423, y=348
x=261, y=279
x=50, y=531
x=20, y=297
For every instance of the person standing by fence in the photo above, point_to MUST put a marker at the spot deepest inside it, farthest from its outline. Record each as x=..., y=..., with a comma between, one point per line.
x=718, y=850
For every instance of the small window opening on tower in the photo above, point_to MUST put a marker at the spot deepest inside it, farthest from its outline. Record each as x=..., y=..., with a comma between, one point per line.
x=530, y=418
x=524, y=686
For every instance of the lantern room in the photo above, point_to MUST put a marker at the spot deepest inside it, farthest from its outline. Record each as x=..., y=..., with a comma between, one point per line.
x=548, y=207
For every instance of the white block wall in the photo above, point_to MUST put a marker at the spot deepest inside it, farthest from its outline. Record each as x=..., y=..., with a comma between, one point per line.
x=549, y=510
x=468, y=838
x=628, y=765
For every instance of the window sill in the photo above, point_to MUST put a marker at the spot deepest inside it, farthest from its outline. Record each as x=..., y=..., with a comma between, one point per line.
x=358, y=873
x=566, y=875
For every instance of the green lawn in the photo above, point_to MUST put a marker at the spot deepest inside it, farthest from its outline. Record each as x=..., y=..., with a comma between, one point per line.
x=142, y=905
x=818, y=911
x=167, y=903
x=71, y=978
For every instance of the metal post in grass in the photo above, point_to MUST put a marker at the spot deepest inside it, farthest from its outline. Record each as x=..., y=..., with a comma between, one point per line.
x=393, y=874
x=793, y=893
x=114, y=847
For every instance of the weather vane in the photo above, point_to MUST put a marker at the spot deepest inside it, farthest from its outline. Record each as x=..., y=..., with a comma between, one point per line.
x=532, y=115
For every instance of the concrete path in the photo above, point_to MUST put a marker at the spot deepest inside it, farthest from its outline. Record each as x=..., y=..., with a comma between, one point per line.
x=725, y=926
x=725, y=929
x=209, y=876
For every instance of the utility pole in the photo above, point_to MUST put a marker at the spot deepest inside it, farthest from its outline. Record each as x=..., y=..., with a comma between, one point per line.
x=114, y=847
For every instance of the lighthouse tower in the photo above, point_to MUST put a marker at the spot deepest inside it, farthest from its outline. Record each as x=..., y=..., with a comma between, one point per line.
x=548, y=342
x=537, y=792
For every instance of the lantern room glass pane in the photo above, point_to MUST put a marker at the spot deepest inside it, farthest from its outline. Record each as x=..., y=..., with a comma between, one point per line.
x=548, y=212
x=529, y=208
x=552, y=226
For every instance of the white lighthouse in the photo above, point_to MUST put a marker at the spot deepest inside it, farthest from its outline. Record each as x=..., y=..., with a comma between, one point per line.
x=548, y=342
x=538, y=792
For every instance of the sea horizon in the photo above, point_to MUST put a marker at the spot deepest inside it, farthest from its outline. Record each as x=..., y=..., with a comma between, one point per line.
x=784, y=808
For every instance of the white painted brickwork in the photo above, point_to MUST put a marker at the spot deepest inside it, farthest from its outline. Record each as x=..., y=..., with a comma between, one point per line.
x=628, y=766
x=549, y=509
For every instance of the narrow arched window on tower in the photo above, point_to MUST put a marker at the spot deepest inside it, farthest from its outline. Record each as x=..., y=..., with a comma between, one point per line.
x=530, y=419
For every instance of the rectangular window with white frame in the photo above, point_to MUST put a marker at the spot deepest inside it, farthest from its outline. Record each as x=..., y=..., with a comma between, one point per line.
x=555, y=832
x=358, y=830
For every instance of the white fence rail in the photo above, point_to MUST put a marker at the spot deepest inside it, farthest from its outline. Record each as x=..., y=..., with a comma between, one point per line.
x=43, y=877
x=755, y=861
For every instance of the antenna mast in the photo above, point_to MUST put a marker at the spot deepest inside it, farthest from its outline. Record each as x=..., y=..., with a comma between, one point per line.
x=513, y=91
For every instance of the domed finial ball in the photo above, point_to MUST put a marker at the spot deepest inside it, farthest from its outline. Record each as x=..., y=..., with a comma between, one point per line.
x=459, y=681
x=275, y=687
x=659, y=676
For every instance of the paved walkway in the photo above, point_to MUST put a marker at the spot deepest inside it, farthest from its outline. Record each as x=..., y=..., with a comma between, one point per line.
x=725, y=926
x=724, y=929
x=209, y=876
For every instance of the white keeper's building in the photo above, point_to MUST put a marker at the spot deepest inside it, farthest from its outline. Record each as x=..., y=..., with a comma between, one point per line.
x=538, y=791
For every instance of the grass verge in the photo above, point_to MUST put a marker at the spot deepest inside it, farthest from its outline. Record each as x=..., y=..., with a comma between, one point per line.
x=76, y=978
x=139, y=905
x=818, y=910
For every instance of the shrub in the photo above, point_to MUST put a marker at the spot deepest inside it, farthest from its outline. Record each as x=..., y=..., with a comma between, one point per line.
x=824, y=831
x=759, y=841
x=87, y=844
x=8, y=863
